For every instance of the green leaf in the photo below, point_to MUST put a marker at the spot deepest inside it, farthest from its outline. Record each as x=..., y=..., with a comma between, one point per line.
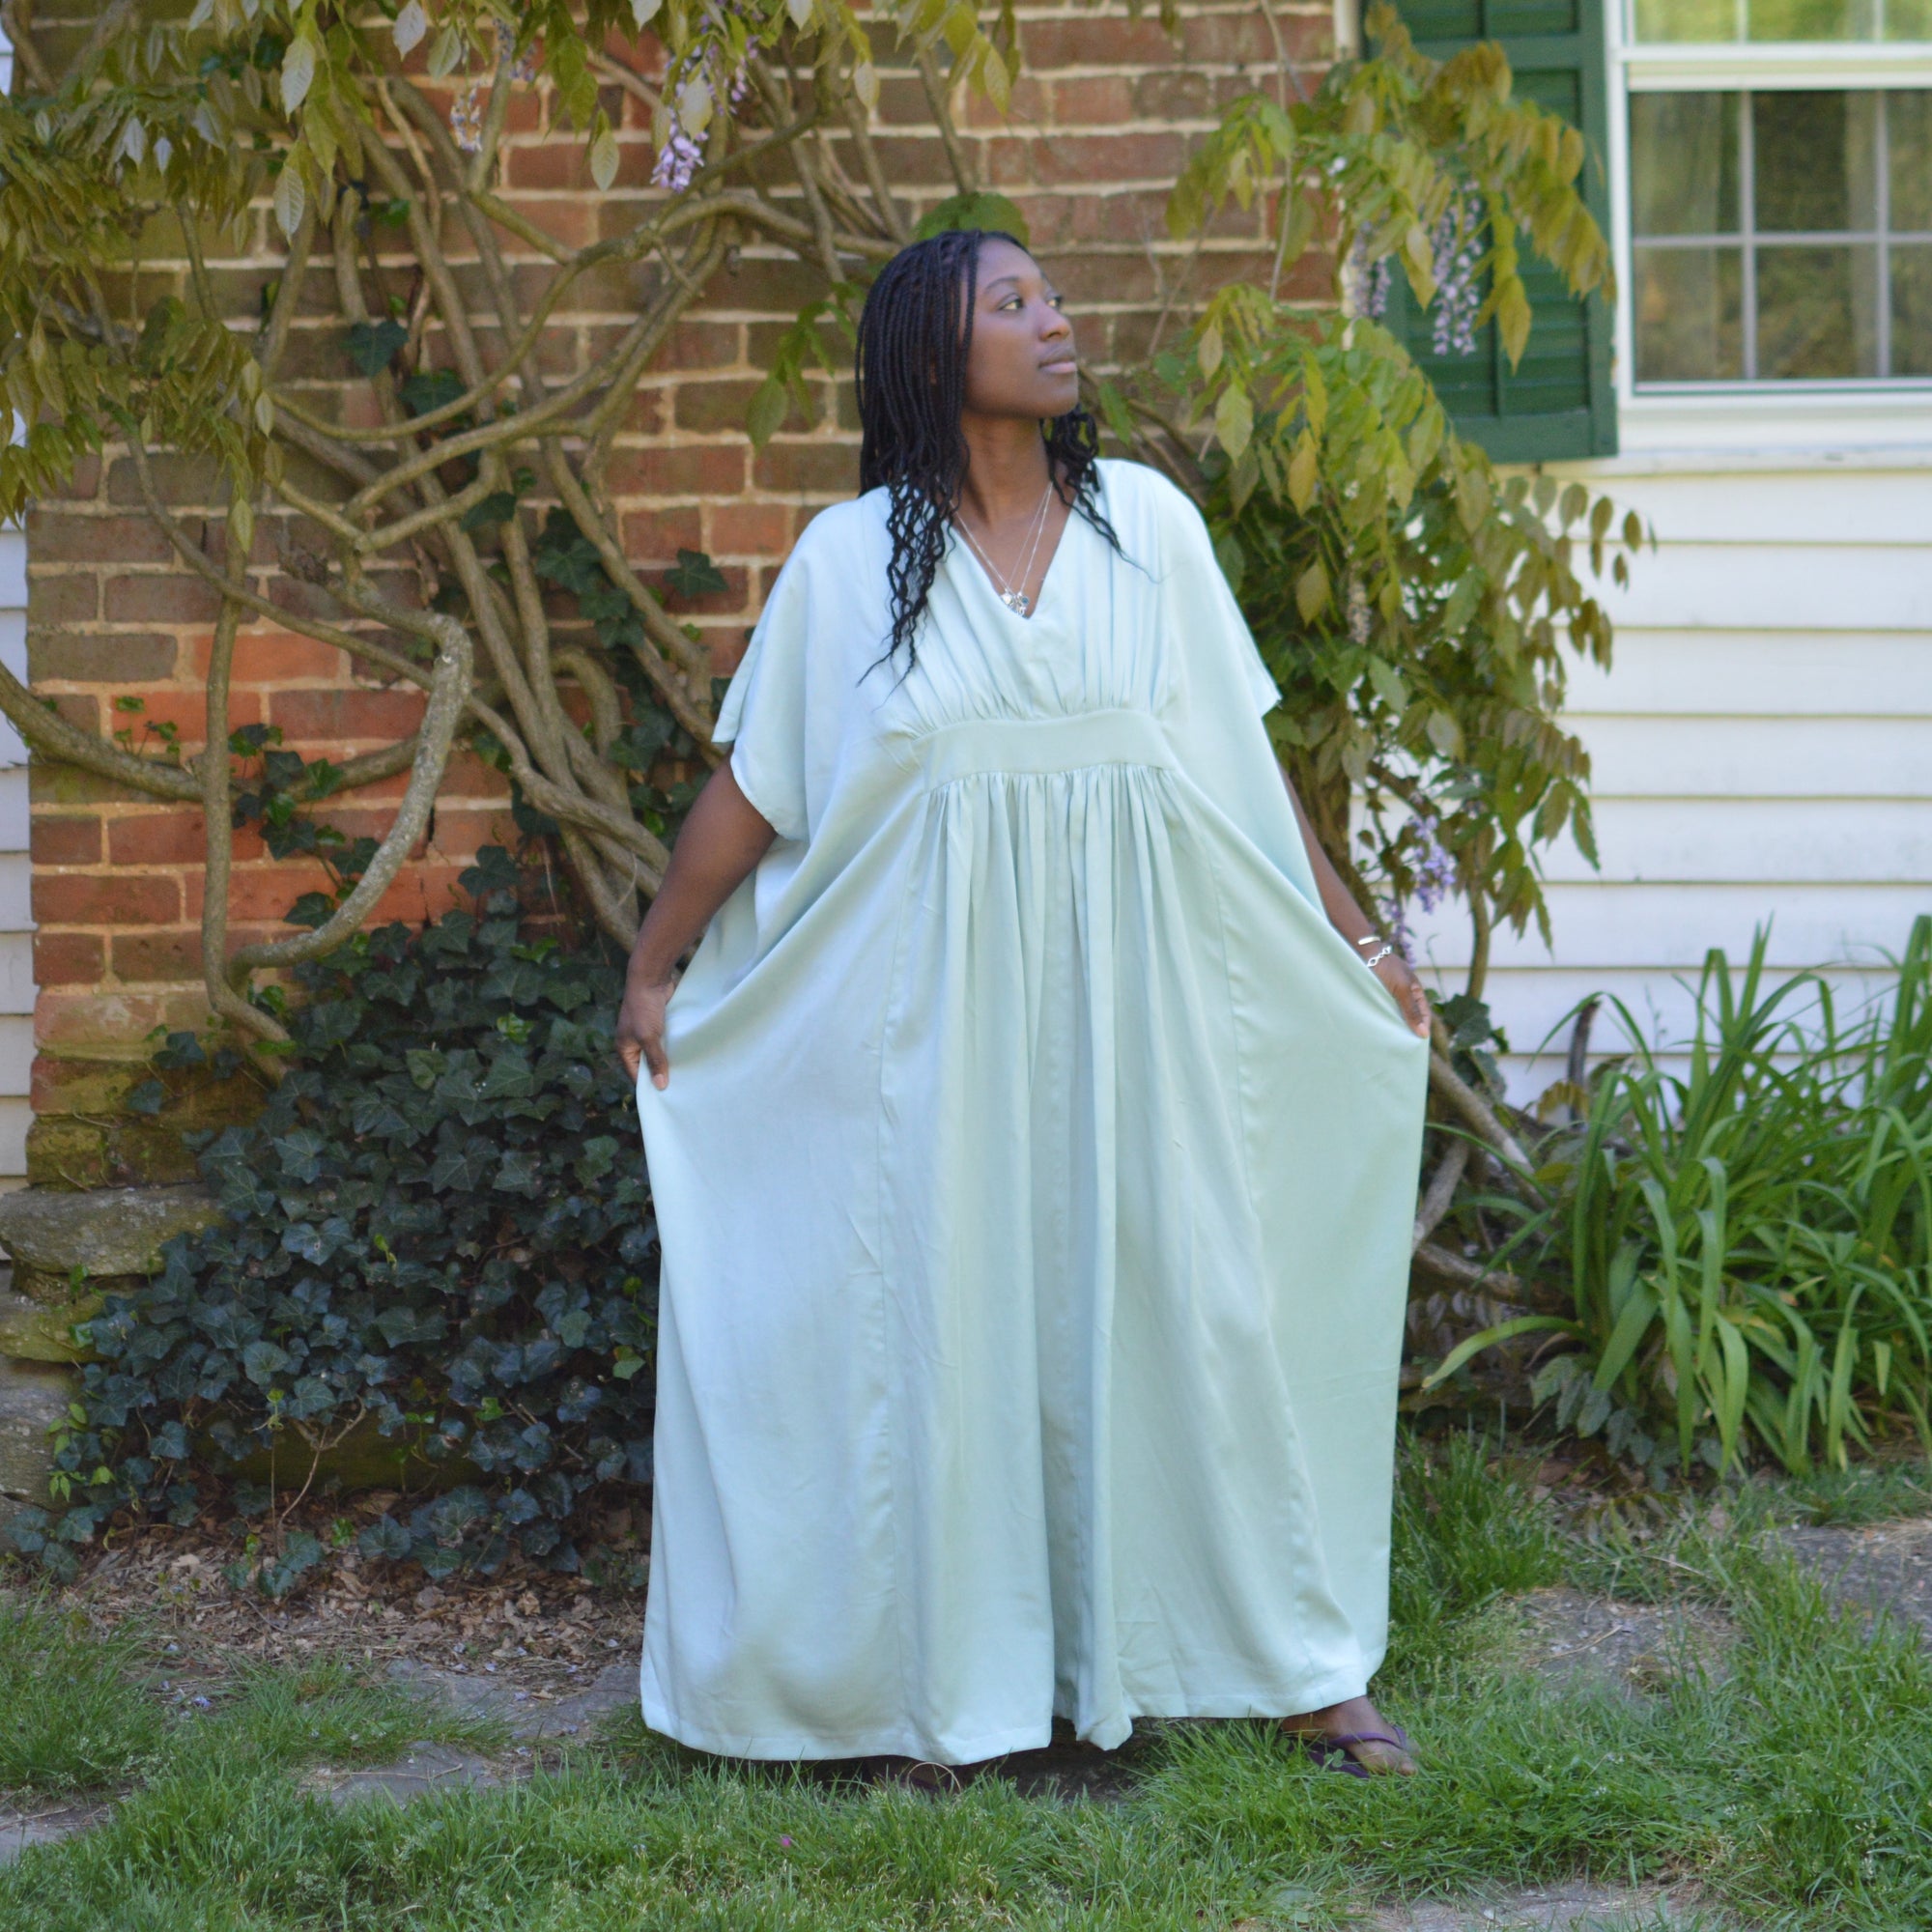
x=695, y=575
x=372, y=346
x=770, y=405
x=497, y=507
x=1234, y=422
x=992, y=212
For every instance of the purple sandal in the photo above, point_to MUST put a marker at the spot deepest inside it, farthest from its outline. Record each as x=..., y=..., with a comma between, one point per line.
x=1332, y=1753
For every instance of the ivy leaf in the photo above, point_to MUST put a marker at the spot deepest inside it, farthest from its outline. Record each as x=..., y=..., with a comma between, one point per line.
x=695, y=575
x=372, y=346
x=263, y=1361
x=385, y=1538
x=429, y=389
x=149, y=1098
x=497, y=507
x=1312, y=592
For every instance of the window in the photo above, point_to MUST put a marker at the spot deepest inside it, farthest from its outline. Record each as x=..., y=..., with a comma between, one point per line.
x=1781, y=225
x=1715, y=20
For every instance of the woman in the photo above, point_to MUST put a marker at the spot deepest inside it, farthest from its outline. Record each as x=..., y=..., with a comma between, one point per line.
x=1033, y=1160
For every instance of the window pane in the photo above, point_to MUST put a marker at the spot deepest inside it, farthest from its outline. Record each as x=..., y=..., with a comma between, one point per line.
x=1687, y=19
x=1908, y=122
x=1815, y=162
x=1813, y=19
x=1816, y=313
x=1690, y=315
x=1684, y=163
x=1908, y=19
x=1911, y=311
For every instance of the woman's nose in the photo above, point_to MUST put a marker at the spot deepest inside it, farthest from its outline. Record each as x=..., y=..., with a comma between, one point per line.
x=1055, y=325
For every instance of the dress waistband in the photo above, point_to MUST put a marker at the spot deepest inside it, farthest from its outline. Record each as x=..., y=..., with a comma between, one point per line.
x=1027, y=745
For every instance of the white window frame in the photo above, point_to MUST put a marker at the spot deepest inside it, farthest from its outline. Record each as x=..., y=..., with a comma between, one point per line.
x=1876, y=411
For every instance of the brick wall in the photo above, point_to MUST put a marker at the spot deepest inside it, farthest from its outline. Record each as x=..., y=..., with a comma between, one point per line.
x=1101, y=122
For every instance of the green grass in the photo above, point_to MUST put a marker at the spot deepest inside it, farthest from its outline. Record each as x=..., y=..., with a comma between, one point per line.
x=1799, y=1787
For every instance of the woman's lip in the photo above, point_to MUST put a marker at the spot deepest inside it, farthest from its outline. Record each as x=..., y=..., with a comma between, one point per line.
x=1067, y=365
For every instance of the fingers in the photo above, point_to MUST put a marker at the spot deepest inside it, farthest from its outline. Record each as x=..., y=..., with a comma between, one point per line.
x=657, y=1059
x=631, y=1053
x=1420, y=1017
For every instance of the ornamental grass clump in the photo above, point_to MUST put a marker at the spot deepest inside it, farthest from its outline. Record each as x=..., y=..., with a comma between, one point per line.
x=1743, y=1249
x=438, y=1240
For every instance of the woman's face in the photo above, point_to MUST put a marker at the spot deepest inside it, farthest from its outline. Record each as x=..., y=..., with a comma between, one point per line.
x=1021, y=361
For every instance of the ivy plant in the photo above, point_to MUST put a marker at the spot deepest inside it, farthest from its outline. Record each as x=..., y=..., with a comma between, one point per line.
x=438, y=1228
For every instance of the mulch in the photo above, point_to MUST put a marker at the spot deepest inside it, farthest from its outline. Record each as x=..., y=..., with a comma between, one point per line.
x=527, y=1628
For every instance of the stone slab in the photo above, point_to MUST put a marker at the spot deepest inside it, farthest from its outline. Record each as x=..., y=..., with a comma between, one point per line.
x=1887, y=1567
x=100, y=1230
x=421, y=1772
x=42, y=1332
x=613, y=1688
x=20, y=1831
x=33, y=1398
x=1562, y=1908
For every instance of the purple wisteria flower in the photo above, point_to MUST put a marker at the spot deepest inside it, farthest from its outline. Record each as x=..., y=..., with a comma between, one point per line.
x=1435, y=868
x=1453, y=321
x=677, y=162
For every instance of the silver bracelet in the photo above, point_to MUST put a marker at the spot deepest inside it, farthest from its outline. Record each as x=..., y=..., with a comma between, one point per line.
x=1375, y=959
x=1370, y=939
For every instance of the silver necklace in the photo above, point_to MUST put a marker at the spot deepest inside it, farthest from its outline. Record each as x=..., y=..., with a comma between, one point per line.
x=1014, y=598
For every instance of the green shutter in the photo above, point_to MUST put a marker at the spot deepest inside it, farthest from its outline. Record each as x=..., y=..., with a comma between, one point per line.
x=1557, y=401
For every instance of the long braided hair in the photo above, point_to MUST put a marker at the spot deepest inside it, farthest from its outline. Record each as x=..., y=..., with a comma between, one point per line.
x=911, y=370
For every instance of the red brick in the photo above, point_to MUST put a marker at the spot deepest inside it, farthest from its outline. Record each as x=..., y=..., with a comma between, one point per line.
x=68, y=1018
x=152, y=598
x=71, y=599
x=1092, y=100
x=164, y=837
x=268, y=657
x=141, y=959
x=122, y=899
x=64, y=841
x=60, y=536
x=747, y=529
x=692, y=469
x=66, y=958
x=344, y=717
x=816, y=467
x=656, y=536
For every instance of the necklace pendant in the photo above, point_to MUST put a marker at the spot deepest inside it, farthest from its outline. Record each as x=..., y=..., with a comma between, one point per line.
x=1016, y=600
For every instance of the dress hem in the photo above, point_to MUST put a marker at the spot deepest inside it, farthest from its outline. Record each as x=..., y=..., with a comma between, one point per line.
x=998, y=1743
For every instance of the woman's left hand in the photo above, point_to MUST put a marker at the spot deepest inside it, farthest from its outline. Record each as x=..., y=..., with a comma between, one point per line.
x=1399, y=977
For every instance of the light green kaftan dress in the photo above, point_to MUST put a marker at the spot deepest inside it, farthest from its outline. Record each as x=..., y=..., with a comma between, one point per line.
x=1035, y=1182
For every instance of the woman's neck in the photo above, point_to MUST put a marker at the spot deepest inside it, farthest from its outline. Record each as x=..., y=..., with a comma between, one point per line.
x=1005, y=468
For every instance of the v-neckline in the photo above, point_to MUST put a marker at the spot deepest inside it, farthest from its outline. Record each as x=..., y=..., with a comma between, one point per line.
x=963, y=547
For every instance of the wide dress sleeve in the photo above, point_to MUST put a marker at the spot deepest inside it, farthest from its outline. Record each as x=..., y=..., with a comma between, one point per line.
x=1222, y=689
x=763, y=717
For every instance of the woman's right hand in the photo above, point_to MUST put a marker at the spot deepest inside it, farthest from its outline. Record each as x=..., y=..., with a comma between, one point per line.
x=641, y=1029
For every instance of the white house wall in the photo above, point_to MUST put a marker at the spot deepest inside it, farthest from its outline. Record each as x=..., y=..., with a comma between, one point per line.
x=1762, y=743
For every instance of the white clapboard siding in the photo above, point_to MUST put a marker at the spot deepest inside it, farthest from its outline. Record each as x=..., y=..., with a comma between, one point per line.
x=1761, y=747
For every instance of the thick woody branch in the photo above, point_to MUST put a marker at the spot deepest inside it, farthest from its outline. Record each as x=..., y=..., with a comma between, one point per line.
x=24, y=50
x=1439, y=1194
x=448, y=695
x=66, y=742
x=1476, y=1111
